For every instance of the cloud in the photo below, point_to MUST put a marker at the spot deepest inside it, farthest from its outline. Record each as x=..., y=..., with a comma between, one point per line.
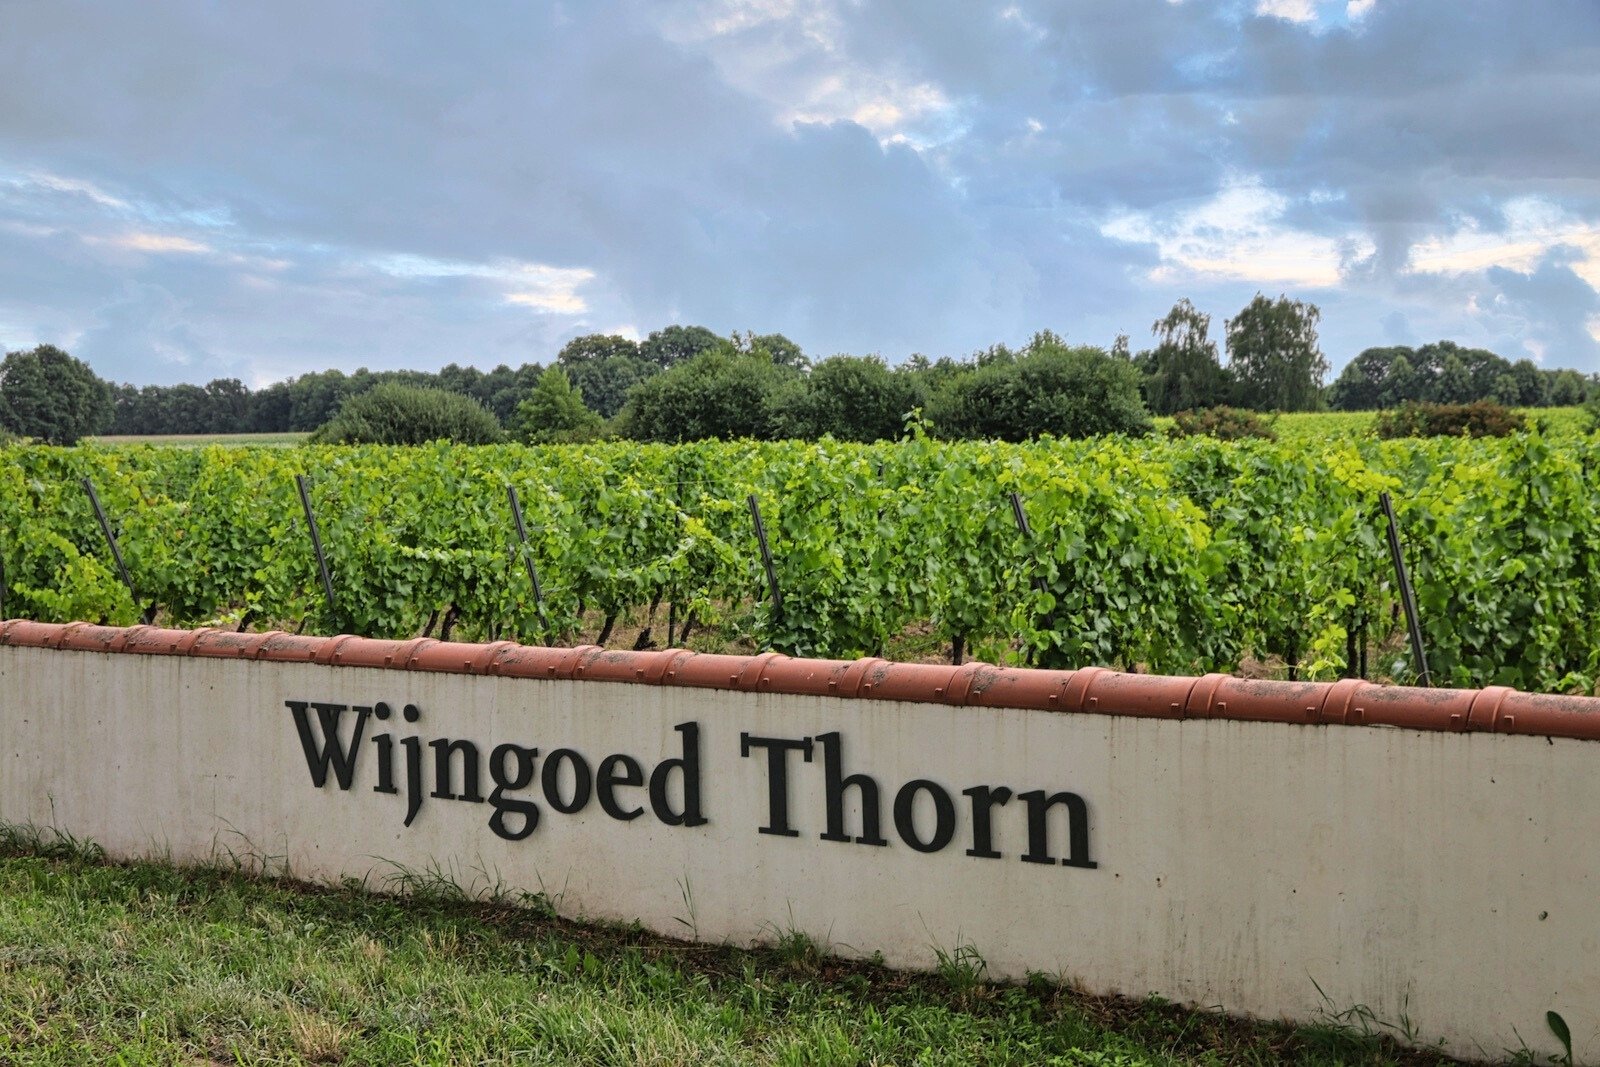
x=56, y=183
x=533, y=285
x=1240, y=234
x=1290, y=10
x=1529, y=230
x=265, y=191
x=153, y=242
x=794, y=55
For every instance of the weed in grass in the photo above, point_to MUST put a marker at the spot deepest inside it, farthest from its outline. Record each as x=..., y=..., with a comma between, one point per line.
x=246, y=858
x=963, y=969
x=433, y=882
x=47, y=842
x=1558, y=1027
x=687, y=895
x=538, y=904
x=1359, y=1027
x=797, y=949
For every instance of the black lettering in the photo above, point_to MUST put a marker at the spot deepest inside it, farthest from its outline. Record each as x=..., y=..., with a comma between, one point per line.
x=631, y=775
x=581, y=781
x=778, y=749
x=512, y=780
x=944, y=821
x=835, y=783
x=333, y=752
x=984, y=798
x=689, y=765
x=444, y=776
x=413, y=747
x=1038, y=828
x=385, y=743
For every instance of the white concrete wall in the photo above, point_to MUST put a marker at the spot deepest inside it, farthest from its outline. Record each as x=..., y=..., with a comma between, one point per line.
x=1449, y=879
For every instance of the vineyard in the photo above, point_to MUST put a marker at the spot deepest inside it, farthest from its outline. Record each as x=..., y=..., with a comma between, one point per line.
x=1168, y=556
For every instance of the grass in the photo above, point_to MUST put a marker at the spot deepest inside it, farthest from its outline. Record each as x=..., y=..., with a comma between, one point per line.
x=196, y=440
x=1319, y=428
x=143, y=963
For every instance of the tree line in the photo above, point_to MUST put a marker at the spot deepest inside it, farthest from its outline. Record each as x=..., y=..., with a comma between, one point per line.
x=690, y=383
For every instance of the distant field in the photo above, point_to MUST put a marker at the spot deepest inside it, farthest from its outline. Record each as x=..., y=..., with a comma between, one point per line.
x=1324, y=427
x=1315, y=427
x=276, y=440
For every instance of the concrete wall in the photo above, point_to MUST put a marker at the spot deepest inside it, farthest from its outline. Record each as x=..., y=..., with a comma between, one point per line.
x=1450, y=879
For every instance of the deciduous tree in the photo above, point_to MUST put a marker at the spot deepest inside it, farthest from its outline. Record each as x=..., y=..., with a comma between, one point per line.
x=554, y=413
x=1184, y=371
x=48, y=395
x=1274, y=356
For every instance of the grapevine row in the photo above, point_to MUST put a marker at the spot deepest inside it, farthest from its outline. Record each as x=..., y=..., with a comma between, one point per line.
x=1170, y=556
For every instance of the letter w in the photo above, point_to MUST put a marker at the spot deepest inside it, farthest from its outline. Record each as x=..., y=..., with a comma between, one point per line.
x=331, y=752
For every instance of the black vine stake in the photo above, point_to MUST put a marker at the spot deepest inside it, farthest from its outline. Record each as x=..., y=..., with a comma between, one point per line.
x=766, y=556
x=672, y=605
x=316, y=546
x=1038, y=579
x=527, y=560
x=1027, y=533
x=1408, y=599
x=111, y=540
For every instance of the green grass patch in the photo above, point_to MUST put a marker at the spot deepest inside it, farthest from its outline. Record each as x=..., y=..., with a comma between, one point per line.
x=143, y=963
x=1317, y=429
x=197, y=440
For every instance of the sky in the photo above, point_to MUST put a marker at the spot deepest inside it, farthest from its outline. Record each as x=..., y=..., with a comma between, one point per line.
x=192, y=190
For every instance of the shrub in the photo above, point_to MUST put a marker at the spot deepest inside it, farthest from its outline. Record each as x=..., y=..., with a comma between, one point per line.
x=1049, y=389
x=1483, y=418
x=851, y=398
x=715, y=394
x=1223, y=423
x=554, y=413
x=394, y=414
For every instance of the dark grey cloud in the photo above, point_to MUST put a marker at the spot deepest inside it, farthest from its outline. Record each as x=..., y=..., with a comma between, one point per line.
x=188, y=188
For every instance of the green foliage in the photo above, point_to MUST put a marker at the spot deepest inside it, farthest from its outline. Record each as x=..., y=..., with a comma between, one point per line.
x=1480, y=419
x=1049, y=388
x=1274, y=357
x=1223, y=423
x=1446, y=373
x=773, y=346
x=47, y=395
x=1563, y=1033
x=393, y=414
x=604, y=369
x=850, y=398
x=1171, y=555
x=596, y=348
x=715, y=395
x=672, y=345
x=1183, y=371
x=554, y=413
